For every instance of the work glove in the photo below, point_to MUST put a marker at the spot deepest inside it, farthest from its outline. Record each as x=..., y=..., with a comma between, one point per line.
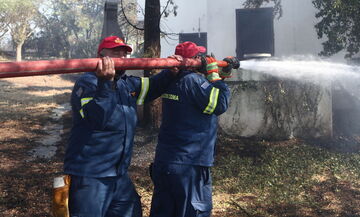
x=212, y=70
x=233, y=63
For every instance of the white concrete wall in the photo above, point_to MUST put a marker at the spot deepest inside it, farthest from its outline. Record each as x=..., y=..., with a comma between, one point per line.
x=301, y=111
x=222, y=27
x=294, y=31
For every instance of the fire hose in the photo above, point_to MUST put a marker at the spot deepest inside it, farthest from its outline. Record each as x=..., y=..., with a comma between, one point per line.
x=49, y=67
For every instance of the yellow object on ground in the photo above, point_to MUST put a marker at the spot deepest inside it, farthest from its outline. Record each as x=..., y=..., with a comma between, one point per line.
x=61, y=188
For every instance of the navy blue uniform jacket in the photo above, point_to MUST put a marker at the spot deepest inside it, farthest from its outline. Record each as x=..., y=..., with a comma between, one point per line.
x=104, y=120
x=191, y=106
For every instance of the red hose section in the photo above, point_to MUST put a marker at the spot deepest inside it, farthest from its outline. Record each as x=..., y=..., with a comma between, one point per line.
x=49, y=67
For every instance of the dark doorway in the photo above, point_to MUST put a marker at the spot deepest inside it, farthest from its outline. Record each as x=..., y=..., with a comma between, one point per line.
x=254, y=32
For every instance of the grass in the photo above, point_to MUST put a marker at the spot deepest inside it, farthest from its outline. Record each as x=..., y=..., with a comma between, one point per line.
x=289, y=178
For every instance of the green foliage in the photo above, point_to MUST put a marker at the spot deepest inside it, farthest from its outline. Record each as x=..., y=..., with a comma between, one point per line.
x=71, y=29
x=339, y=24
x=259, y=3
x=19, y=17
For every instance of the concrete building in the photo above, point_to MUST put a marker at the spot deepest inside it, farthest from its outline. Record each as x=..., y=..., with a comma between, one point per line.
x=294, y=31
x=261, y=106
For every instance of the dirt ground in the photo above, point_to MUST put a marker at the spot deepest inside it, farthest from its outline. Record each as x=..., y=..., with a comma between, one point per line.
x=27, y=110
x=26, y=106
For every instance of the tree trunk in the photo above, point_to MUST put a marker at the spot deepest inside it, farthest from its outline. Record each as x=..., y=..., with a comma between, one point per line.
x=18, y=51
x=152, y=111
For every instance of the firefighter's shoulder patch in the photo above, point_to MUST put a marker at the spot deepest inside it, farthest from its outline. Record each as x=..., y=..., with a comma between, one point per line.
x=205, y=85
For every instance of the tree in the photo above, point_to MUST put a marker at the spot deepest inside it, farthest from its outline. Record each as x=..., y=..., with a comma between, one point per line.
x=20, y=18
x=69, y=29
x=152, y=111
x=132, y=28
x=339, y=24
x=152, y=33
x=77, y=24
x=3, y=21
x=72, y=29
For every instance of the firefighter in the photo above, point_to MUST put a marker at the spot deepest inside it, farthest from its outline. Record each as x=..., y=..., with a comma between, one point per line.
x=101, y=141
x=186, y=142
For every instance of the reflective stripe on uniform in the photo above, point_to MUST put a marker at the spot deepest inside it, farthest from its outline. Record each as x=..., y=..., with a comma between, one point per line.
x=170, y=96
x=84, y=101
x=211, y=66
x=144, y=90
x=213, y=99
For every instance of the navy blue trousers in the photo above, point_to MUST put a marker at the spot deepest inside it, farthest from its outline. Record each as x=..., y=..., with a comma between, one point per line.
x=181, y=191
x=103, y=197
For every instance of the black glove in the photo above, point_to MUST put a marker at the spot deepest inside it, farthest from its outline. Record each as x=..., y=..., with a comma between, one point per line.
x=202, y=68
x=204, y=62
x=233, y=63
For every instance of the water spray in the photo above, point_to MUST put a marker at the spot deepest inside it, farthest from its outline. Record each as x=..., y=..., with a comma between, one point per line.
x=309, y=69
x=303, y=68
